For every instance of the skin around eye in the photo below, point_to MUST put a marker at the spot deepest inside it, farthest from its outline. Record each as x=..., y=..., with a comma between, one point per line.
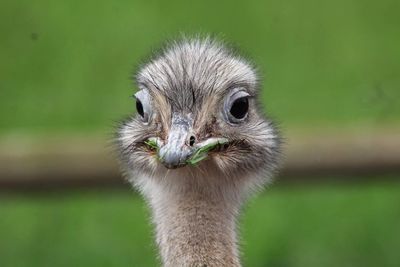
x=236, y=106
x=143, y=105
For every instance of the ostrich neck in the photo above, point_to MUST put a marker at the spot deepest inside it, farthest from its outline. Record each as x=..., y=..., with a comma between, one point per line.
x=195, y=225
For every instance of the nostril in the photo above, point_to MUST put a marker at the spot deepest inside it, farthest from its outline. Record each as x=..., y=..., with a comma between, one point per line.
x=192, y=139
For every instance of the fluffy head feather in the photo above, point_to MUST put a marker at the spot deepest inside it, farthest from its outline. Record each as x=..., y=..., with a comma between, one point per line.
x=192, y=79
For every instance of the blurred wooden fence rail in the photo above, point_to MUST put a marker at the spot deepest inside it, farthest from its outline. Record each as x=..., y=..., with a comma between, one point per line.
x=60, y=162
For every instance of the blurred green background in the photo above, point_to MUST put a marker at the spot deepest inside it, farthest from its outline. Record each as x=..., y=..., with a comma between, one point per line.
x=66, y=68
x=65, y=65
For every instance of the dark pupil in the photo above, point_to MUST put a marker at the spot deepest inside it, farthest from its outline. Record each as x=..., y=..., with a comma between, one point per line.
x=139, y=107
x=239, y=108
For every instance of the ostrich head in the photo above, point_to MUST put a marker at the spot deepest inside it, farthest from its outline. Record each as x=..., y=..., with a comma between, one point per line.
x=197, y=109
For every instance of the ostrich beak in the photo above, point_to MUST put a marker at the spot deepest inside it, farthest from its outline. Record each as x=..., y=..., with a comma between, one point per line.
x=177, y=149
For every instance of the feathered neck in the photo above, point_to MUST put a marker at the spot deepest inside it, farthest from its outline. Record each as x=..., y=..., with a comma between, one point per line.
x=195, y=217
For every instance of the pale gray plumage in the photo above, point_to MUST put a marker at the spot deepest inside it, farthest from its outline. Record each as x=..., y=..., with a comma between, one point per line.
x=186, y=96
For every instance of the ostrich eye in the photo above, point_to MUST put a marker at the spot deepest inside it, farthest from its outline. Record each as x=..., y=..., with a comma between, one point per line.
x=139, y=107
x=240, y=108
x=236, y=106
x=143, y=105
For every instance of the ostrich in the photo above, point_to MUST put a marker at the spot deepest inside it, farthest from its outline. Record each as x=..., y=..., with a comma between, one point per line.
x=197, y=148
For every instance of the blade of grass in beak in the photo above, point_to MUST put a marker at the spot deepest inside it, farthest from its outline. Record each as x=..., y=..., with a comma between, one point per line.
x=204, y=148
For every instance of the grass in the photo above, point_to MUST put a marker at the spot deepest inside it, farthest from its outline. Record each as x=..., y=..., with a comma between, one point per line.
x=313, y=226
x=65, y=65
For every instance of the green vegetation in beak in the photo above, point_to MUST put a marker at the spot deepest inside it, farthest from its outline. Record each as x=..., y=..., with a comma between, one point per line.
x=201, y=151
x=152, y=143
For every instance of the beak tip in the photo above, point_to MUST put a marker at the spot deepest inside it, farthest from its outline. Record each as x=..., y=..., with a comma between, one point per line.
x=172, y=158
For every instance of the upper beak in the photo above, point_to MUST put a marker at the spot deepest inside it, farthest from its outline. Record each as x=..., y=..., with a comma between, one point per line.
x=178, y=147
